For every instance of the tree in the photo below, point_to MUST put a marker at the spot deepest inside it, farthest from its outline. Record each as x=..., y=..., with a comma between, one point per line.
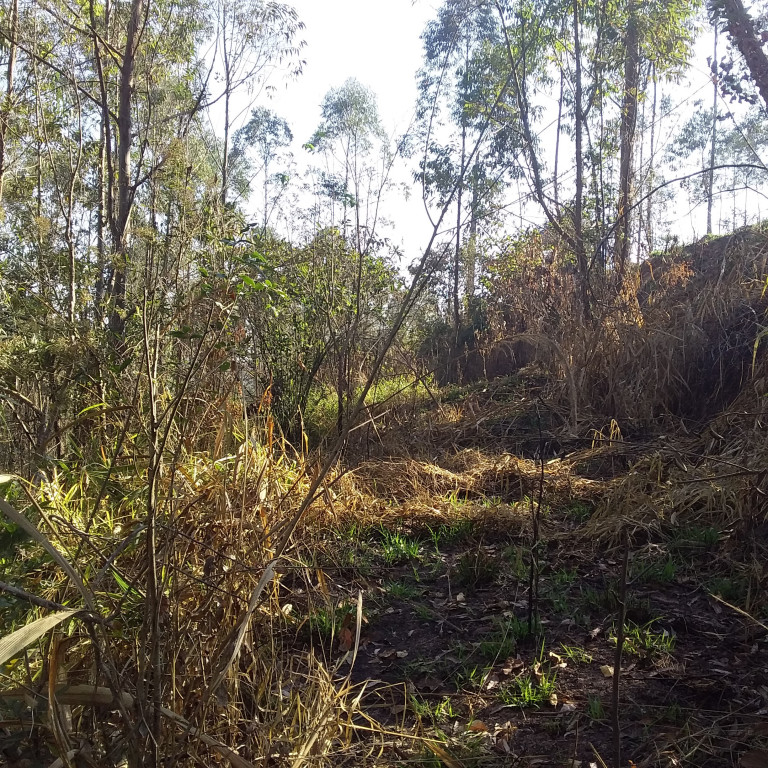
x=268, y=134
x=456, y=79
x=350, y=134
x=253, y=37
x=741, y=28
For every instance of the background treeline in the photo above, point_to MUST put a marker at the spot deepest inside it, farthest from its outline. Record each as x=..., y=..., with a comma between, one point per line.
x=133, y=134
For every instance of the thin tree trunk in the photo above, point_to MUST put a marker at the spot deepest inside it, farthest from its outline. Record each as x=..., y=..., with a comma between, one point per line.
x=7, y=106
x=471, y=256
x=712, y=151
x=125, y=192
x=651, y=175
x=578, y=209
x=742, y=31
x=227, y=96
x=555, y=182
x=627, y=141
x=457, y=246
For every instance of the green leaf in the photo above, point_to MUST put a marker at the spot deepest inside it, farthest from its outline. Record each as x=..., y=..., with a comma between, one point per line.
x=17, y=641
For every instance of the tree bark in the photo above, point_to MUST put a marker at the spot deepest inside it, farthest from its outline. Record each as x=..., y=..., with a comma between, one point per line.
x=742, y=31
x=627, y=143
x=7, y=106
x=125, y=191
x=712, y=150
x=578, y=208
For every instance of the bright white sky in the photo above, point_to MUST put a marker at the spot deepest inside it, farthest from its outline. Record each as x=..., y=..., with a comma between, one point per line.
x=379, y=44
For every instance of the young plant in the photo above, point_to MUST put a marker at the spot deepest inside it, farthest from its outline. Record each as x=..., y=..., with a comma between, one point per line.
x=398, y=548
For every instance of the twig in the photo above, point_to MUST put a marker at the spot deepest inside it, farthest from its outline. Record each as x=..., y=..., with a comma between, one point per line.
x=620, y=650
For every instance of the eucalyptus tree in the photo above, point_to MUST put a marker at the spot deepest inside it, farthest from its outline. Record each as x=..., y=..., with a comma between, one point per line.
x=748, y=36
x=253, y=39
x=352, y=139
x=9, y=32
x=457, y=95
x=267, y=134
x=659, y=34
x=599, y=51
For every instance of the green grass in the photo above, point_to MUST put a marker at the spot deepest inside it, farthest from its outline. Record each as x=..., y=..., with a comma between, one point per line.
x=326, y=621
x=470, y=677
x=595, y=709
x=660, y=571
x=694, y=537
x=732, y=589
x=476, y=569
x=529, y=690
x=397, y=548
x=436, y=713
x=451, y=533
x=402, y=590
x=576, y=655
x=580, y=511
x=645, y=641
x=516, y=557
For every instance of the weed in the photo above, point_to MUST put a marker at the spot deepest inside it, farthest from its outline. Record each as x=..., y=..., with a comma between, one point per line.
x=423, y=612
x=529, y=690
x=437, y=713
x=580, y=511
x=470, y=677
x=476, y=569
x=498, y=646
x=504, y=639
x=694, y=537
x=452, y=533
x=402, y=590
x=733, y=589
x=595, y=709
x=328, y=620
x=673, y=714
x=660, y=571
x=644, y=641
x=515, y=556
x=564, y=578
x=576, y=655
x=398, y=548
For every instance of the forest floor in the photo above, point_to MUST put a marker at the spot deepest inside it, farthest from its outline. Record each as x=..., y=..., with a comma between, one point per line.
x=451, y=666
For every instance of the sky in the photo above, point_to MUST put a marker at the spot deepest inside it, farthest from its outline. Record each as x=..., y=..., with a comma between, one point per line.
x=379, y=44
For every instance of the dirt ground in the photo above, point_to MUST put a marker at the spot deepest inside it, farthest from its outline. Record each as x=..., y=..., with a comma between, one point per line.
x=461, y=668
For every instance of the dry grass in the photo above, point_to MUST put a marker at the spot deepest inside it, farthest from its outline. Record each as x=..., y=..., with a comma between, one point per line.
x=689, y=339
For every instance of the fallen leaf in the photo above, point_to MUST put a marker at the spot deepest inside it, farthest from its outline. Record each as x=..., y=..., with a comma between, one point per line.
x=606, y=670
x=346, y=638
x=401, y=654
x=477, y=726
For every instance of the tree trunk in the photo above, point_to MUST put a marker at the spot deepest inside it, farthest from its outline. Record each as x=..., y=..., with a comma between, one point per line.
x=578, y=208
x=651, y=175
x=627, y=143
x=711, y=174
x=471, y=255
x=555, y=183
x=7, y=105
x=742, y=31
x=125, y=191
